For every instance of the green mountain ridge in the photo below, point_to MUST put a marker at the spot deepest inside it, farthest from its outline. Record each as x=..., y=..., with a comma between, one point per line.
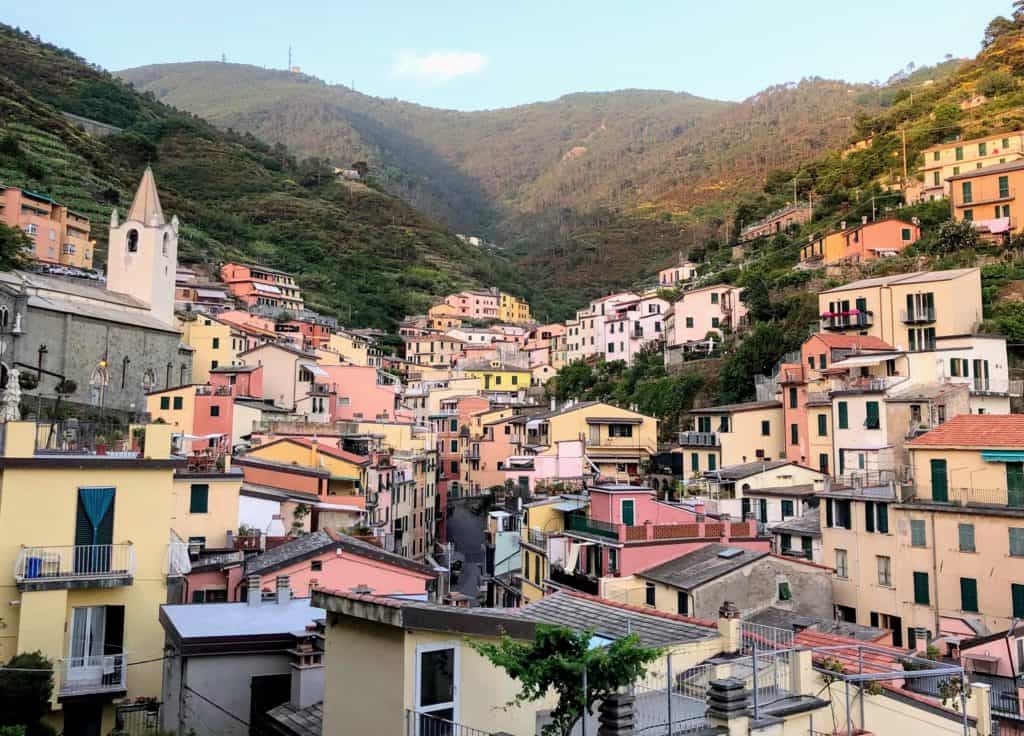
x=358, y=252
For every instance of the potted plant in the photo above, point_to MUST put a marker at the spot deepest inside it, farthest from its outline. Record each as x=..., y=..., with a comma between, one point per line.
x=66, y=387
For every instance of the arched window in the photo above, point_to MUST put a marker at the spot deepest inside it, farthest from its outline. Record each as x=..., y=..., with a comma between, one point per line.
x=167, y=382
x=181, y=381
x=5, y=317
x=133, y=241
x=167, y=239
x=124, y=370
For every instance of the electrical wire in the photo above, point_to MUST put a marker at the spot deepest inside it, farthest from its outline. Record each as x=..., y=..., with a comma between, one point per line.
x=215, y=705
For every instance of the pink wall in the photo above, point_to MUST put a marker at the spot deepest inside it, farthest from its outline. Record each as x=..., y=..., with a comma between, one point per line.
x=291, y=481
x=567, y=464
x=366, y=398
x=606, y=506
x=885, y=235
x=247, y=383
x=203, y=422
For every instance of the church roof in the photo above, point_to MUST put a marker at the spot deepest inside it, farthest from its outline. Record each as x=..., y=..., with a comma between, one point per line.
x=146, y=204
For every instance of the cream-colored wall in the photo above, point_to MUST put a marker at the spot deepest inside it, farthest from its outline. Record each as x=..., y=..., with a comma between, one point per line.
x=222, y=509
x=280, y=375
x=242, y=420
x=741, y=443
x=199, y=334
x=571, y=425
x=348, y=689
x=964, y=469
x=291, y=453
x=818, y=445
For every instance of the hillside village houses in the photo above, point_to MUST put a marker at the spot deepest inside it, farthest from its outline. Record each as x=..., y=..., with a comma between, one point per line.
x=284, y=499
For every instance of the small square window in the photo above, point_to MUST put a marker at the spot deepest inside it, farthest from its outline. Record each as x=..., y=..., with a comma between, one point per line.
x=316, y=565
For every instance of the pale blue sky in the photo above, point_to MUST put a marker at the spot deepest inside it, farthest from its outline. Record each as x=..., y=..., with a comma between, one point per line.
x=472, y=55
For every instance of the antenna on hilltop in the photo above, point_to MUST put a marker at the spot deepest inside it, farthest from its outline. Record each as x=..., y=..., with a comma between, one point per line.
x=289, y=57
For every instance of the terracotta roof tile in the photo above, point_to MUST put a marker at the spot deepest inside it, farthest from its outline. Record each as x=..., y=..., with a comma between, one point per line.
x=864, y=342
x=976, y=430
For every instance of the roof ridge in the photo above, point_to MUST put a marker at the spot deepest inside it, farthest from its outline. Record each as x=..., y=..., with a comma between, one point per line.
x=645, y=611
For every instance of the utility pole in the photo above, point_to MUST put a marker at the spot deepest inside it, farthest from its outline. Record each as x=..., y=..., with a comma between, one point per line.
x=903, y=136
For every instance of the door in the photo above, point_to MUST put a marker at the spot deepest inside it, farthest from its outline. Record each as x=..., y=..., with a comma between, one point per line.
x=628, y=511
x=437, y=676
x=94, y=530
x=762, y=506
x=87, y=650
x=1015, y=484
x=805, y=545
x=940, y=484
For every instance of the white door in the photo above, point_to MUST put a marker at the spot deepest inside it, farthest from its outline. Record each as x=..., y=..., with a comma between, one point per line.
x=437, y=678
x=85, y=655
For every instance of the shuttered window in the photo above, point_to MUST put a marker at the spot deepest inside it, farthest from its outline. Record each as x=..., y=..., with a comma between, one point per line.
x=965, y=535
x=844, y=415
x=969, y=595
x=199, y=500
x=822, y=425
x=869, y=516
x=872, y=421
x=883, y=518
x=787, y=508
x=1017, y=599
x=921, y=596
x=918, y=535
x=1016, y=542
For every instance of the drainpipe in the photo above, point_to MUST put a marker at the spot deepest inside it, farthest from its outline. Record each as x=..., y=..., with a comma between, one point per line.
x=935, y=575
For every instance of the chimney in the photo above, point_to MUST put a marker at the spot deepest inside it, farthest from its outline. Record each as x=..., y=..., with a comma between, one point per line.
x=864, y=220
x=362, y=589
x=284, y=590
x=727, y=701
x=308, y=674
x=818, y=484
x=842, y=225
x=554, y=403
x=729, y=628
x=253, y=596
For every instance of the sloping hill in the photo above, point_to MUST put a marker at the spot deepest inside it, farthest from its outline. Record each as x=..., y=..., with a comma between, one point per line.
x=358, y=252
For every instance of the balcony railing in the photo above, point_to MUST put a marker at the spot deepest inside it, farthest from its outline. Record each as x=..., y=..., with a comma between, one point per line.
x=537, y=538
x=576, y=580
x=97, y=674
x=982, y=385
x=73, y=563
x=979, y=497
x=918, y=315
x=586, y=525
x=699, y=439
x=429, y=724
x=847, y=320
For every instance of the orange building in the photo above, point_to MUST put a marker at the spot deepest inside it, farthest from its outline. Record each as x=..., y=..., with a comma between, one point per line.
x=988, y=197
x=863, y=242
x=60, y=235
x=258, y=285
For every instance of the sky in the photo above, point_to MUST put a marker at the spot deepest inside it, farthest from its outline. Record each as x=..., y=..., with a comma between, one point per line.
x=487, y=54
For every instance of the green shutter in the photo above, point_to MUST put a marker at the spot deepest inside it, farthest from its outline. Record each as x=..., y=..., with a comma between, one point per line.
x=869, y=516
x=1015, y=484
x=969, y=595
x=828, y=513
x=787, y=508
x=940, y=487
x=694, y=462
x=921, y=596
x=805, y=545
x=744, y=507
x=785, y=541
x=1017, y=596
x=872, y=421
x=965, y=537
x=712, y=462
x=844, y=416
x=763, y=503
x=822, y=425
x=918, y=535
x=1016, y=541
x=628, y=511
x=794, y=434
x=165, y=402
x=178, y=402
x=199, y=502
x=792, y=398
x=883, y=518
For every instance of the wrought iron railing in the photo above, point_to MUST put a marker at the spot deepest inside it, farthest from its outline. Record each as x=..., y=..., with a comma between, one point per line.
x=917, y=315
x=426, y=724
x=537, y=538
x=100, y=673
x=74, y=562
x=138, y=719
x=699, y=439
x=586, y=525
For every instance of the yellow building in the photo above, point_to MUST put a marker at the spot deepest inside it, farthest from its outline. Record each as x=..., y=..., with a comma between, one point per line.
x=541, y=521
x=443, y=317
x=733, y=434
x=499, y=378
x=990, y=198
x=512, y=310
x=88, y=538
x=946, y=160
x=908, y=311
x=205, y=508
x=216, y=344
x=348, y=471
x=347, y=347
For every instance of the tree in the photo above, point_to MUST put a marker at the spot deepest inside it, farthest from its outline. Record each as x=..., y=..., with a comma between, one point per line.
x=760, y=350
x=555, y=661
x=954, y=236
x=25, y=696
x=14, y=247
x=996, y=28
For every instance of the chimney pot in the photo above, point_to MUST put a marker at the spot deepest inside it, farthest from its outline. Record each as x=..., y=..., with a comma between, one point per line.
x=842, y=225
x=284, y=590
x=253, y=596
x=864, y=220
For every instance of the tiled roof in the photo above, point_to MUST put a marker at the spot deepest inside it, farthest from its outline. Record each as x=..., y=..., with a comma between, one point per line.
x=745, y=470
x=732, y=408
x=976, y=430
x=808, y=525
x=701, y=566
x=325, y=449
x=864, y=342
x=323, y=540
x=298, y=721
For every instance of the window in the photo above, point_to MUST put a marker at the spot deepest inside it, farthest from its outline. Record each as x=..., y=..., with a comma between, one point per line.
x=935, y=155
x=714, y=321
x=822, y=425
x=905, y=234
x=785, y=593
x=838, y=514
x=454, y=467
x=810, y=361
x=823, y=462
x=214, y=411
x=1016, y=541
x=216, y=343
x=940, y=487
x=969, y=595
x=199, y=499
x=1006, y=142
x=794, y=434
x=165, y=402
x=1004, y=186
x=958, y=153
x=766, y=428
x=620, y=430
x=983, y=149
x=884, y=571
x=956, y=171
x=536, y=569
x=936, y=179
x=712, y=461
x=649, y=594
x=969, y=215
x=787, y=508
x=210, y=595
x=214, y=363
x=437, y=667
x=918, y=534
x=872, y=421
x=792, y=398
x=133, y=241
x=316, y=565
x=965, y=534
x=844, y=415
x=689, y=321
x=921, y=596
x=822, y=361
x=966, y=192
x=682, y=603
x=841, y=569
x=695, y=463
x=714, y=298
x=179, y=402
x=1017, y=600
x=453, y=445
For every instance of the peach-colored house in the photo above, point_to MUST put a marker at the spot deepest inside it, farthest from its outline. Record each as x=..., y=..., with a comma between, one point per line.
x=324, y=558
x=241, y=380
x=701, y=311
x=475, y=304
x=865, y=241
x=361, y=392
x=201, y=414
x=60, y=235
x=433, y=350
x=675, y=275
x=259, y=285
x=256, y=330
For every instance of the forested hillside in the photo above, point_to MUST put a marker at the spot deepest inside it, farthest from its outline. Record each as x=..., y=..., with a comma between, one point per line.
x=359, y=253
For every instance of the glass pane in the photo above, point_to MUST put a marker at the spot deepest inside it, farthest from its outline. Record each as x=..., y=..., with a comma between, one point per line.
x=437, y=677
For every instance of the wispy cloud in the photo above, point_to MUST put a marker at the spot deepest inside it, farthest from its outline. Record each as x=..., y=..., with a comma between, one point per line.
x=438, y=66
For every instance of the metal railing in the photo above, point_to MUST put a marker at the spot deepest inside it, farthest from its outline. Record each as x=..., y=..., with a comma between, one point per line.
x=74, y=437
x=537, y=538
x=586, y=525
x=425, y=724
x=765, y=638
x=980, y=497
x=138, y=719
x=917, y=315
x=699, y=439
x=74, y=562
x=847, y=321
x=94, y=674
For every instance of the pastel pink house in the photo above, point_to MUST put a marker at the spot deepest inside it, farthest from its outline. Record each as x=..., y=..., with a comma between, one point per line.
x=360, y=393
x=241, y=380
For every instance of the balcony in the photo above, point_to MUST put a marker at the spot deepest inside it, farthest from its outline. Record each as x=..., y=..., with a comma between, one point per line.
x=995, y=387
x=699, y=439
x=851, y=320
x=917, y=316
x=993, y=497
x=536, y=538
x=576, y=580
x=101, y=674
x=595, y=527
x=74, y=566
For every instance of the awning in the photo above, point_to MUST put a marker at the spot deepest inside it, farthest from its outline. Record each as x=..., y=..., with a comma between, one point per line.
x=568, y=506
x=980, y=657
x=266, y=288
x=194, y=437
x=864, y=360
x=614, y=420
x=313, y=368
x=211, y=293
x=1002, y=456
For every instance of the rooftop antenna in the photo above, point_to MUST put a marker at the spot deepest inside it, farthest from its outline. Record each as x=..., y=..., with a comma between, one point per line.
x=289, y=57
